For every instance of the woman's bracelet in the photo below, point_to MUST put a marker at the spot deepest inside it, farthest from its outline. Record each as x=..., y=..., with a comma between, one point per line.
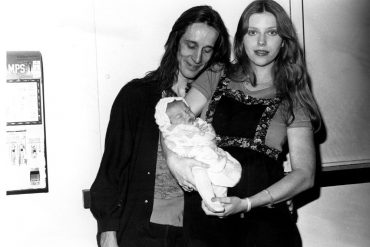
x=249, y=205
x=272, y=201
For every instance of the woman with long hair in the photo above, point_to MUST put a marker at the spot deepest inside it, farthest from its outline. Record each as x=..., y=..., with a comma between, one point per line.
x=262, y=108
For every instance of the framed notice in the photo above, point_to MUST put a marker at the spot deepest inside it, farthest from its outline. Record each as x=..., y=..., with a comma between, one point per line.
x=24, y=102
x=26, y=165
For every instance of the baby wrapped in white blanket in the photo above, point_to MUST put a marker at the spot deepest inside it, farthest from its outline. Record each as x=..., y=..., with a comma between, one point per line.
x=192, y=137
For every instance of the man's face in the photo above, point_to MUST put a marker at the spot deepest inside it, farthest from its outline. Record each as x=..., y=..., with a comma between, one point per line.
x=195, y=49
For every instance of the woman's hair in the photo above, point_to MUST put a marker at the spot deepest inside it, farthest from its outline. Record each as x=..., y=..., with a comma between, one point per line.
x=167, y=71
x=291, y=78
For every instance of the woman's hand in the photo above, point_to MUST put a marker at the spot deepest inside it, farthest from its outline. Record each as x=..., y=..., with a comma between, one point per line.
x=232, y=205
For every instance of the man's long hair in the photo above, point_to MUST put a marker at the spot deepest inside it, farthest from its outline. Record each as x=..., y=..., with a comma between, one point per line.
x=167, y=72
x=291, y=78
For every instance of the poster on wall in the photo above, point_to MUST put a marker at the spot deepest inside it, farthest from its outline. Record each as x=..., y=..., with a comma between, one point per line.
x=26, y=164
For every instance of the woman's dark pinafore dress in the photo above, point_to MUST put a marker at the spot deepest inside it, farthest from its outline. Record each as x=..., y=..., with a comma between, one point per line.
x=241, y=123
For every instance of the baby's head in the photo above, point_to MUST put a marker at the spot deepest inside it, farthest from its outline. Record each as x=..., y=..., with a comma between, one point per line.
x=179, y=113
x=172, y=110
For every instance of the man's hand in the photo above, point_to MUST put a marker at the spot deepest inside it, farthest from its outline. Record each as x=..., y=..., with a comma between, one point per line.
x=181, y=168
x=108, y=239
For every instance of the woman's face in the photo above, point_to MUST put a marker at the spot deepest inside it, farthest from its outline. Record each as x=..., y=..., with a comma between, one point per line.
x=262, y=41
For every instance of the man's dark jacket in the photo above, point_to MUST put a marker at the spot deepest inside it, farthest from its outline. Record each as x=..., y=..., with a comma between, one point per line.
x=123, y=191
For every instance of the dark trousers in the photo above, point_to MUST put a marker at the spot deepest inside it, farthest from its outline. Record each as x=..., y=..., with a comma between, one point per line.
x=155, y=235
x=162, y=236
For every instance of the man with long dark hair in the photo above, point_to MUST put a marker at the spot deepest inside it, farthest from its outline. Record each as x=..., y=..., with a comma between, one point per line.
x=134, y=198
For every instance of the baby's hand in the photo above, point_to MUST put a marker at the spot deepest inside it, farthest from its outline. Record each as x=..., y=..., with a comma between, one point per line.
x=202, y=126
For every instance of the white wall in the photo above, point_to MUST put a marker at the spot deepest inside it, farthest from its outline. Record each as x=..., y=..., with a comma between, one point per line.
x=337, y=53
x=63, y=31
x=339, y=218
x=90, y=50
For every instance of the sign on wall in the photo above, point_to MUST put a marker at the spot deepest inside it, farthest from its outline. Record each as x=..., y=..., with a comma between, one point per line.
x=26, y=165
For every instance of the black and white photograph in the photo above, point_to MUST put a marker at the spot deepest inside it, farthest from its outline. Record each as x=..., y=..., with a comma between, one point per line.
x=185, y=123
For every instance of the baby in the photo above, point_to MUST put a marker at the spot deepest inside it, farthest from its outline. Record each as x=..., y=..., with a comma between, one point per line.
x=192, y=137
